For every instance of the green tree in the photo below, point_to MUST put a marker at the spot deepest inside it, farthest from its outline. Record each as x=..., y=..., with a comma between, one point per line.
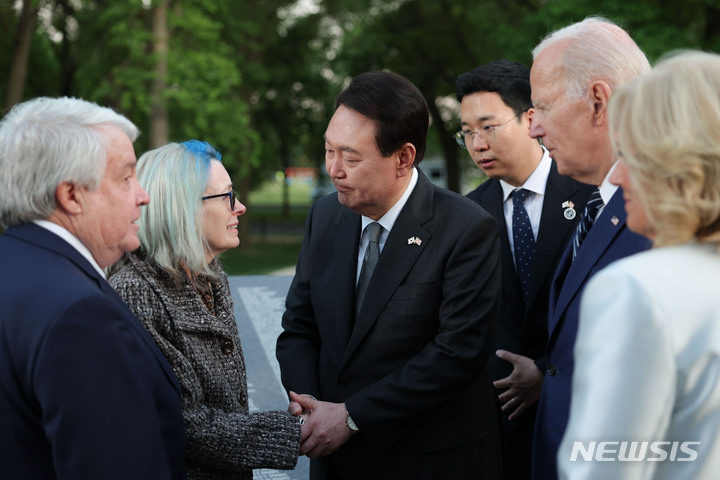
x=259, y=81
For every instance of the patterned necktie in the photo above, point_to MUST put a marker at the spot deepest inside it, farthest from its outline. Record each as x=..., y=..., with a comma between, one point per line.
x=523, y=239
x=592, y=207
x=372, y=253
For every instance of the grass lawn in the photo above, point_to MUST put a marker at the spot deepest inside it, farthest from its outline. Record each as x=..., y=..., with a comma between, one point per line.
x=271, y=194
x=260, y=259
x=276, y=239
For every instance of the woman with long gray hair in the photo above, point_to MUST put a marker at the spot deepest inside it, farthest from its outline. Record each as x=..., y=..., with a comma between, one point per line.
x=174, y=284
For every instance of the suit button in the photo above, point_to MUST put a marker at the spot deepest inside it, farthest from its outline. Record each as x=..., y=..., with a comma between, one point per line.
x=551, y=370
x=228, y=347
x=343, y=382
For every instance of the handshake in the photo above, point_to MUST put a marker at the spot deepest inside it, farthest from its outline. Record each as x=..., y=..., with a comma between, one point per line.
x=323, y=425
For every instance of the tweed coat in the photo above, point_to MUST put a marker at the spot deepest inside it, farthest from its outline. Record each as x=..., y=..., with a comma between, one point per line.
x=224, y=441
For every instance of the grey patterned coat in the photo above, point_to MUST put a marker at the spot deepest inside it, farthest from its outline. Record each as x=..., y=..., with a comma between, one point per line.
x=224, y=441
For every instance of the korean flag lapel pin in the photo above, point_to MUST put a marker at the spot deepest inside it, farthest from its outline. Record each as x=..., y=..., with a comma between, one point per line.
x=414, y=240
x=569, y=212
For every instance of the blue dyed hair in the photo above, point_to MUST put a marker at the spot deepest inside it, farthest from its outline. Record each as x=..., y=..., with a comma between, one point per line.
x=202, y=149
x=171, y=234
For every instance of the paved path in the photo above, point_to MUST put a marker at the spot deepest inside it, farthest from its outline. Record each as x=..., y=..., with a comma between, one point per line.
x=259, y=305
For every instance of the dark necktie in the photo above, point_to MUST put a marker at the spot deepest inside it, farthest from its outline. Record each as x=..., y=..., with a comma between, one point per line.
x=523, y=239
x=593, y=205
x=372, y=253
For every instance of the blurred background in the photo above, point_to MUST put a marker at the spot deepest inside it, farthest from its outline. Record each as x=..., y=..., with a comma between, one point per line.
x=258, y=78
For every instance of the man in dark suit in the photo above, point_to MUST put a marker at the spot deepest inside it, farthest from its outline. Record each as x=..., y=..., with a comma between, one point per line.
x=398, y=364
x=85, y=393
x=496, y=111
x=573, y=74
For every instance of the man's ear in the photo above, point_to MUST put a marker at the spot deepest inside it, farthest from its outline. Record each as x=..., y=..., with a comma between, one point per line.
x=68, y=198
x=530, y=113
x=406, y=158
x=600, y=93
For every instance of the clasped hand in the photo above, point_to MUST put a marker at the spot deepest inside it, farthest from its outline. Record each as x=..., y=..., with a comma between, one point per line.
x=324, y=427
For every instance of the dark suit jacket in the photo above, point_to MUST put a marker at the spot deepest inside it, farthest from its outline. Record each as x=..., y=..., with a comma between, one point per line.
x=608, y=240
x=523, y=325
x=84, y=391
x=412, y=371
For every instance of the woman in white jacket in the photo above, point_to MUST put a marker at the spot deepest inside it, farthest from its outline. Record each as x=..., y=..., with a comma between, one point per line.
x=646, y=386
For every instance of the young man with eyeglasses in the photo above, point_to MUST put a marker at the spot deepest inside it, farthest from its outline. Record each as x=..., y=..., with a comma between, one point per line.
x=538, y=208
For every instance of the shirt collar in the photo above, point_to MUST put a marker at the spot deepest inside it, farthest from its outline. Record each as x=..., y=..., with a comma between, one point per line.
x=607, y=188
x=388, y=220
x=537, y=180
x=74, y=242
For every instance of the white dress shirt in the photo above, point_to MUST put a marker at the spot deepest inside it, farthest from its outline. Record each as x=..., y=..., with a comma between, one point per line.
x=536, y=184
x=607, y=190
x=387, y=221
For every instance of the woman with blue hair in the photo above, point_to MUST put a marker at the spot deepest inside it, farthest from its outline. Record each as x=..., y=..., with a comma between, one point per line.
x=174, y=284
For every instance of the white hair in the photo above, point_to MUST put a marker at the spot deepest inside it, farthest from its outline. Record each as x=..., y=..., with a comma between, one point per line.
x=47, y=141
x=597, y=49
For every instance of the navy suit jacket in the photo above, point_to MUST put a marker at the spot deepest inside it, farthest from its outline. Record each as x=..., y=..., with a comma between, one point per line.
x=523, y=325
x=412, y=368
x=85, y=393
x=608, y=240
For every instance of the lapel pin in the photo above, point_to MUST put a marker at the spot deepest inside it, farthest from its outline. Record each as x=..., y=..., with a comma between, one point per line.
x=569, y=212
x=414, y=240
x=614, y=220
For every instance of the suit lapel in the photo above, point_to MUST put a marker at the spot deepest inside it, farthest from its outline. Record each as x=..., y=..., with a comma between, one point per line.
x=600, y=237
x=554, y=230
x=491, y=200
x=346, y=242
x=396, y=259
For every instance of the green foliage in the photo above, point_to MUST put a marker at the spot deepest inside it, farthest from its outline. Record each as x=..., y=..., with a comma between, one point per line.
x=260, y=82
x=108, y=57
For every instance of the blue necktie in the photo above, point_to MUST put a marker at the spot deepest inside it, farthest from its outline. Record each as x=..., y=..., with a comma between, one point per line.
x=592, y=207
x=523, y=239
x=372, y=253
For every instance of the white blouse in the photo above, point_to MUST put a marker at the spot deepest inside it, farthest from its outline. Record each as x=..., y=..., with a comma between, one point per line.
x=646, y=386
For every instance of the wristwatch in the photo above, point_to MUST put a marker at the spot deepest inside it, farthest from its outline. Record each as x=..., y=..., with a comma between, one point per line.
x=351, y=425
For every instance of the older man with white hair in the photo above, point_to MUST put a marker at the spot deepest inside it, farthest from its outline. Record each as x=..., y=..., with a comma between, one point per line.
x=85, y=393
x=573, y=74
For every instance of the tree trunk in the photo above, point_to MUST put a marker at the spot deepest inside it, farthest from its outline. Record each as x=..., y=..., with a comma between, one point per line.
x=21, y=52
x=449, y=148
x=159, y=123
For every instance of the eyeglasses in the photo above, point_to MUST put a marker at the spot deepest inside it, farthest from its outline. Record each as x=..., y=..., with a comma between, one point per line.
x=463, y=137
x=230, y=194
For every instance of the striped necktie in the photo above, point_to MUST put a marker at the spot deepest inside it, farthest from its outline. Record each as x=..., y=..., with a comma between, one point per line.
x=592, y=207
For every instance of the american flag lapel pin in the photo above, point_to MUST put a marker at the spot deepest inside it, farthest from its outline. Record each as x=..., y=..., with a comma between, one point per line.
x=615, y=220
